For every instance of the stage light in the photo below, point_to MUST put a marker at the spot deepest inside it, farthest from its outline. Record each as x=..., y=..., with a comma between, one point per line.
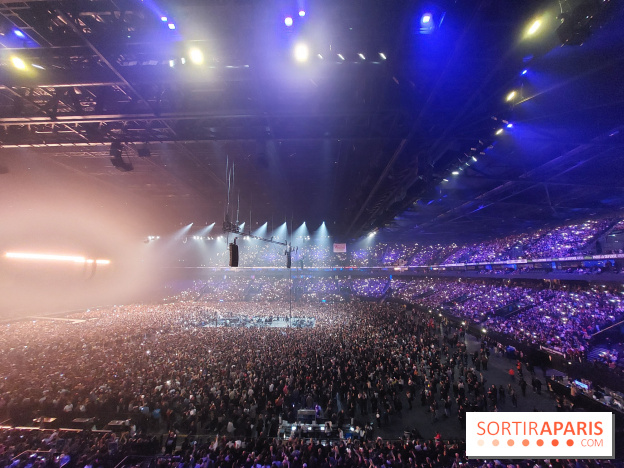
x=455, y=172
x=38, y=66
x=301, y=52
x=319, y=56
x=474, y=159
x=171, y=26
x=164, y=19
x=18, y=63
x=510, y=96
x=362, y=56
x=54, y=257
x=509, y=125
x=196, y=56
x=444, y=180
x=524, y=72
x=19, y=34
x=302, y=13
x=172, y=63
x=382, y=55
x=499, y=131
x=341, y=56
x=288, y=21
x=182, y=60
x=534, y=27
x=372, y=233
x=425, y=19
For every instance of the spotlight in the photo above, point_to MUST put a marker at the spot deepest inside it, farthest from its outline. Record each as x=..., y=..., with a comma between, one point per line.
x=196, y=56
x=19, y=34
x=171, y=26
x=362, y=56
x=164, y=19
x=172, y=63
x=382, y=55
x=301, y=52
x=302, y=13
x=524, y=72
x=509, y=125
x=341, y=56
x=510, y=96
x=499, y=131
x=474, y=159
x=455, y=172
x=288, y=21
x=18, y=63
x=425, y=19
x=319, y=56
x=534, y=27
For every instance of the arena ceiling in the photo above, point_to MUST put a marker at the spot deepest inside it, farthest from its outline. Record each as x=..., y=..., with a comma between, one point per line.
x=366, y=134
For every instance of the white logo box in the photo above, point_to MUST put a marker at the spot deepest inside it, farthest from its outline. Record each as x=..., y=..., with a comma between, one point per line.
x=507, y=435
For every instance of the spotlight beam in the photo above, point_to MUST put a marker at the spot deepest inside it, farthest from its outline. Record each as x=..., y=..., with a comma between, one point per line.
x=55, y=258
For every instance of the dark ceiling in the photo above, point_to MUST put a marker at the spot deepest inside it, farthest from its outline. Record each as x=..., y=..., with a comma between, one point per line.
x=361, y=142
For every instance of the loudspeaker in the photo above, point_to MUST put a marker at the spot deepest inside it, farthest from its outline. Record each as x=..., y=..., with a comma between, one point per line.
x=288, y=259
x=233, y=255
x=115, y=149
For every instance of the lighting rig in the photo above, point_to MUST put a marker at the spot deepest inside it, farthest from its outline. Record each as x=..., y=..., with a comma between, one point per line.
x=232, y=228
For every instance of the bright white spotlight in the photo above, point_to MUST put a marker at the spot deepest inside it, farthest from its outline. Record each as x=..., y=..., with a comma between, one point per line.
x=474, y=159
x=19, y=34
x=171, y=26
x=341, y=56
x=534, y=27
x=319, y=56
x=499, y=131
x=362, y=56
x=455, y=172
x=18, y=63
x=164, y=19
x=426, y=18
x=172, y=63
x=372, y=233
x=288, y=21
x=302, y=13
x=511, y=96
x=509, y=125
x=382, y=55
x=301, y=52
x=196, y=56
x=54, y=257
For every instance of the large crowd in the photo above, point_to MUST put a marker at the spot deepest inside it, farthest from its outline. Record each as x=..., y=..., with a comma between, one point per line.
x=547, y=243
x=164, y=369
x=559, y=317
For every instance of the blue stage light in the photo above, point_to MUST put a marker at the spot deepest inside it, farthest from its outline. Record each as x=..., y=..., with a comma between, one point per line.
x=426, y=18
x=19, y=33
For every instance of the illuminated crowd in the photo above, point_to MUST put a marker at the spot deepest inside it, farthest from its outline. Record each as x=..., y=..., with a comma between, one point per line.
x=165, y=367
x=547, y=243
